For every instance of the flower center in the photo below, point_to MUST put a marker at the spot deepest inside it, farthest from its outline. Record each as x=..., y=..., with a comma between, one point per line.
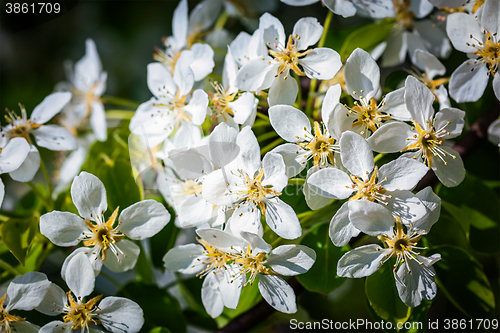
x=488, y=52
x=404, y=17
x=367, y=114
x=213, y=258
x=429, y=142
x=6, y=318
x=175, y=104
x=252, y=264
x=256, y=192
x=104, y=236
x=20, y=126
x=288, y=57
x=219, y=101
x=321, y=146
x=191, y=187
x=168, y=58
x=81, y=314
x=369, y=189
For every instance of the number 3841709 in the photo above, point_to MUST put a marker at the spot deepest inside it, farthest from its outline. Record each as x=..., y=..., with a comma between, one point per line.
x=477, y=324
x=32, y=8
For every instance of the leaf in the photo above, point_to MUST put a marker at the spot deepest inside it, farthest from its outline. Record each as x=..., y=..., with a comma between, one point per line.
x=366, y=37
x=201, y=319
x=18, y=235
x=383, y=296
x=322, y=277
x=463, y=281
x=159, y=306
x=160, y=330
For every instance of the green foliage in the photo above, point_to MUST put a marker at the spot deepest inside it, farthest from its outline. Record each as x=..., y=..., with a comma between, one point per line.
x=463, y=281
x=18, y=236
x=160, y=308
x=383, y=296
x=367, y=37
x=322, y=277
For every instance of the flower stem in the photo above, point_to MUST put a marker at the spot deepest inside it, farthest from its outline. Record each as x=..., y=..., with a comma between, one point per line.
x=296, y=181
x=263, y=116
x=9, y=268
x=221, y=21
x=120, y=114
x=49, y=184
x=378, y=157
x=326, y=27
x=119, y=101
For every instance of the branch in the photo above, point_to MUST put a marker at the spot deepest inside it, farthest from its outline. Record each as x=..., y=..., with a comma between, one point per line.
x=468, y=143
x=256, y=315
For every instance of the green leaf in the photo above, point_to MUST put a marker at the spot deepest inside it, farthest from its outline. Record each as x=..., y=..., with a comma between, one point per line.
x=18, y=235
x=160, y=309
x=366, y=37
x=200, y=319
x=463, y=281
x=383, y=296
x=160, y=330
x=322, y=277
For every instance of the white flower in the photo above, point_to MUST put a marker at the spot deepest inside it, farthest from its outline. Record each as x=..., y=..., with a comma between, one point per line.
x=173, y=104
x=52, y=137
x=347, y=8
x=362, y=78
x=425, y=139
x=115, y=314
x=479, y=39
x=11, y=157
x=87, y=83
x=227, y=104
x=25, y=292
x=432, y=67
x=139, y=221
x=186, y=34
x=413, y=272
x=471, y=6
x=494, y=132
x=230, y=263
x=410, y=34
x=294, y=126
x=273, y=70
x=254, y=188
x=390, y=186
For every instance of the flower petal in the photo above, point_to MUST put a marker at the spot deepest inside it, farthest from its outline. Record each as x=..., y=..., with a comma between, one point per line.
x=143, y=219
x=293, y=156
x=451, y=121
x=160, y=80
x=321, y=63
x=341, y=229
x=127, y=260
x=357, y=156
x=249, y=158
x=28, y=168
x=222, y=240
x=197, y=106
x=277, y=293
x=394, y=104
x=89, y=196
x=25, y=292
x=451, y=171
x=184, y=259
x=468, y=81
x=91, y=253
x=308, y=30
x=291, y=259
x=331, y=183
x=281, y=218
x=49, y=107
x=283, y=90
x=460, y=27
x=362, y=261
x=80, y=276
x=203, y=62
x=257, y=74
x=433, y=204
x=390, y=137
x=54, y=299
x=274, y=171
x=13, y=154
x=371, y=218
x=62, y=228
x=362, y=75
x=419, y=100
x=54, y=137
x=402, y=174
x=118, y=314
x=211, y=297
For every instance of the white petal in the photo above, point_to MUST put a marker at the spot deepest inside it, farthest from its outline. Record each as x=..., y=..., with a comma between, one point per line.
x=160, y=80
x=460, y=27
x=402, y=174
x=291, y=259
x=418, y=283
x=274, y=171
x=119, y=315
x=429, y=63
x=197, y=106
x=394, y=103
x=258, y=74
x=80, y=275
x=314, y=200
x=341, y=229
x=371, y=218
x=341, y=7
x=277, y=293
x=308, y=30
x=25, y=327
x=468, y=81
x=88, y=68
x=91, y=253
x=375, y=9
x=222, y=240
x=249, y=158
x=332, y=98
x=362, y=261
x=496, y=86
x=421, y=8
x=356, y=154
x=56, y=327
x=419, y=100
x=28, y=168
x=89, y=196
x=143, y=219
x=243, y=107
x=362, y=74
x=204, y=15
x=395, y=52
x=290, y=123
x=266, y=21
x=222, y=145
x=190, y=164
x=405, y=205
x=281, y=218
x=245, y=218
x=433, y=204
x=184, y=259
x=25, y=292
x=2, y=192
x=13, y=154
x=62, y=228
x=321, y=63
x=434, y=38
x=183, y=74
x=293, y=156
x=257, y=243
x=180, y=22
x=490, y=18
x=230, y=286
x=54, y=137
x=390, y=137
x=452, y=120
x=283, y=90
x=211, y=296
x=331, y=183
x=215, y=189
x=203, y=62
x=127, y=261
x=54, y=299
x=50, y=106
x=453, y=172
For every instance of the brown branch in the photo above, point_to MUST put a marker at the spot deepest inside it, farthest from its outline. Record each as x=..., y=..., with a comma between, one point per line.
x=468, y=143
x=256, y=315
